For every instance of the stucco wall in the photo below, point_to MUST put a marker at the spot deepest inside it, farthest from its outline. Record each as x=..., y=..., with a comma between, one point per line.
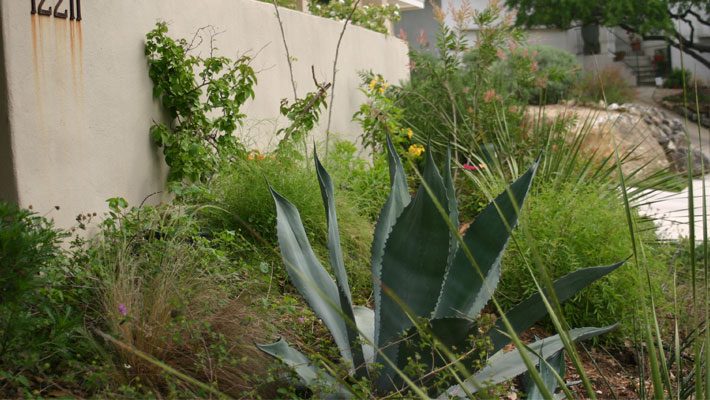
x=80, y=100
x=8, y=190
x=678, y=59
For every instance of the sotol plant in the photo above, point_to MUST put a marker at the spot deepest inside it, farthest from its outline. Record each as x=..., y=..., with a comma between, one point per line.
x=426, y=279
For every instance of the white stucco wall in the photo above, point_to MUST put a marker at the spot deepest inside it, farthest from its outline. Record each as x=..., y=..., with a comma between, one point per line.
x=702, y=34
x=698, y=70
x=79, y=100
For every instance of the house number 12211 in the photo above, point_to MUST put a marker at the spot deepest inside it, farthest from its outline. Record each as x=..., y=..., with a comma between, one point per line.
x=73, y=12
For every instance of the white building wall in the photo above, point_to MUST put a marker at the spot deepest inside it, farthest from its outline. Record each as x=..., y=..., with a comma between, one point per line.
x=702, y=33
x=79, y=101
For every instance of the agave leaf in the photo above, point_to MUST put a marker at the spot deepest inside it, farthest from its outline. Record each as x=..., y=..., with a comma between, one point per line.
x=464, y=292
x=397, y=200
x=336, y=262
x=413, y=266
x=504, y=366
x=307, y=273
x=310, y=375
x=555, y=363
x=365, y=319
x=532, y=309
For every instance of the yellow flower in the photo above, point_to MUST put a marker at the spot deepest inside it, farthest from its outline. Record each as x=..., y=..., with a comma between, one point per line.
x=415, y=150
x=382, y=90
x=373, y=83
x=409, y=133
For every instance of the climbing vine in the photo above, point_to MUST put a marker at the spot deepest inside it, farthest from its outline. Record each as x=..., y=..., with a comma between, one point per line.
x=203, y=97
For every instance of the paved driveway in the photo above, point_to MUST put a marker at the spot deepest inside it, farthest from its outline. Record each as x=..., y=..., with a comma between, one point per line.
x=670, y=210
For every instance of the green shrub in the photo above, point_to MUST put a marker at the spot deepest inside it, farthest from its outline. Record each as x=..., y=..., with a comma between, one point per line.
x=203, y=97
x=363, y=184
x=454, y=99
x=607, y=84
x=555, y=70
x=426, y=294
x=242, y=191
x=43, y=303
x=165, y=288
x=572, y=227
x=678, y=79
x=370, y=16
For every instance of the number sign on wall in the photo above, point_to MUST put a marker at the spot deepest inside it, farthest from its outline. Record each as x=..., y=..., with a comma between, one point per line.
x=72, y=11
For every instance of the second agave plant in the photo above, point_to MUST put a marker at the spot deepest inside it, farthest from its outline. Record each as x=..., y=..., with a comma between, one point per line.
x=429, y=286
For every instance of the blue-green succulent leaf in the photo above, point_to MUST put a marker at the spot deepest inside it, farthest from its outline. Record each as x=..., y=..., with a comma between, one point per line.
x=397, y=200
x=310, y=375
x=307, y=274
x=532, y=309
x=555, y=363
x=336, y=262
x=465, y=293
x=413, y=267
x=504, y=366
x=365, y=319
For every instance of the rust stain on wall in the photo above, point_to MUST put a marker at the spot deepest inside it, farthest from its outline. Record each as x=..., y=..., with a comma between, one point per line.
x=37, y=61
x=76, y=40
x=59, y=71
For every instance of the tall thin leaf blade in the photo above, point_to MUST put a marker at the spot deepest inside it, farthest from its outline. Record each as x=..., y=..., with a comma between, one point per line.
x=532, y=309
x=307, y=273
x=451, y=197
x=504, y=366
x=465, y=291
x=336, y=262
x=397, y=200
x=413, y=266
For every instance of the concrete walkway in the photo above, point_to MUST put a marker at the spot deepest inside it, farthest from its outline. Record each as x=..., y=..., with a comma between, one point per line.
x=670, y=210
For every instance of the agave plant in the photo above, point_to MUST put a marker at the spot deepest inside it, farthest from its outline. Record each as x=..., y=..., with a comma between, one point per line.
x=425, y=278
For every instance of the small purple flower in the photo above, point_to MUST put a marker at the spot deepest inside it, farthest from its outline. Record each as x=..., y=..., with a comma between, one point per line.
x=301, y=320
x=122, y=309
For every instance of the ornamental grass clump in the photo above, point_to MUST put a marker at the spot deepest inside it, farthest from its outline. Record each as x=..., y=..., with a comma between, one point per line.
x=430, y=286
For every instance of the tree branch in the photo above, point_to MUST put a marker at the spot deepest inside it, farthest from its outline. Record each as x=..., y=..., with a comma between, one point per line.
x=288, y=54
x=335, y=70
x=686, y=46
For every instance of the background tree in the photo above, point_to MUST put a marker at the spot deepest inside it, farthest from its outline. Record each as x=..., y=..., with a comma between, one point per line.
x=652, y=19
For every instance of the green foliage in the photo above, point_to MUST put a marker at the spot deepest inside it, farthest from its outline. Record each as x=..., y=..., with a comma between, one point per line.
x=573, y=227
x=365, y=185
x=553, y=71
x=673, y=21
x=241, y=191
x=202, y=97
x=644, y=15
x=303, y=114
x=43, y=306
x=380, y=117
x=453, y=98
x=166, y=288
x=426, y=289
x=606, y=84
x=373, y=17
x=28, y=244
x=679, y=79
